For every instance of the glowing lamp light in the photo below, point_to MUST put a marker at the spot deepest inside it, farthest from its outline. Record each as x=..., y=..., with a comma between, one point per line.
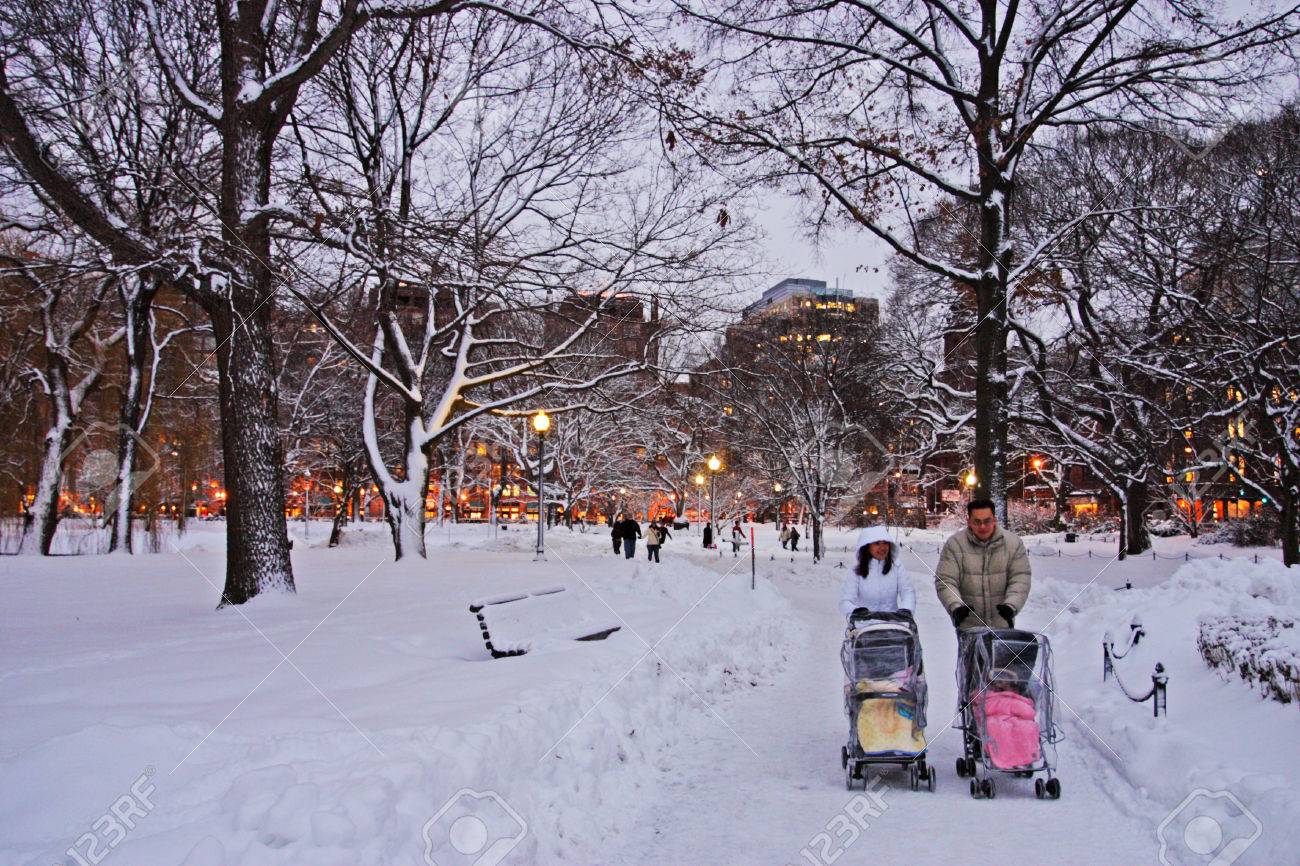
x=1037, y=463
x=714, y=463
x=971, y=480
x=541, y=422
x=699, y=479
x=338, y=487
x=777, y=487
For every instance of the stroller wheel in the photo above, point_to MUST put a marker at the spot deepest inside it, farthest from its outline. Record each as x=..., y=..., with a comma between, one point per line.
x=914, y=777
x=844, y=756
x=961, y=768
x=989, y=790
x=929, y=779
x=848, y=777
x=1040, y=789
x=975, y=789
x=1054, y=788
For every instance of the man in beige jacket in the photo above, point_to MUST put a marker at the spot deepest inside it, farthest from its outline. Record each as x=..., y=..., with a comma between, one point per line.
x=983, y=573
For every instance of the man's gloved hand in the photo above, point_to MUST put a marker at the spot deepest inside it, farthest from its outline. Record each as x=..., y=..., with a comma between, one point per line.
x=959, y=615
x=1006, y=612
x=905, y=612
x=860, y=613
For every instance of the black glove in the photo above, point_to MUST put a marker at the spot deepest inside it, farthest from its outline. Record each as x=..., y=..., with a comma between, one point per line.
x=959, y=615
x=860, y=613
x=1006, y=612
x=905, y=612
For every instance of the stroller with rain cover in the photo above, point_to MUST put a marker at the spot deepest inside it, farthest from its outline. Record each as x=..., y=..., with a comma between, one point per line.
x=885, y=697
x=1008, y=710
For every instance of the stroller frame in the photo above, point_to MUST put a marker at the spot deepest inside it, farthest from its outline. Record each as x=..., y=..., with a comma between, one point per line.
x=1013, y=660
x=882, y=626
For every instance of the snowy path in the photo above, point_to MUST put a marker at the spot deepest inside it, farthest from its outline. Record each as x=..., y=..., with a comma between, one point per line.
x=715, y=802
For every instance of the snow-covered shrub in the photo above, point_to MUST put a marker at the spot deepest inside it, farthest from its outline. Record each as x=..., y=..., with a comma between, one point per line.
x=1030, y=519
x=1265, y=652
x=1260, y=530
x=1165, y=528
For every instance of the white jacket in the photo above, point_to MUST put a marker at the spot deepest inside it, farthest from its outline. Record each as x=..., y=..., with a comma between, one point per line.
x=878, y=591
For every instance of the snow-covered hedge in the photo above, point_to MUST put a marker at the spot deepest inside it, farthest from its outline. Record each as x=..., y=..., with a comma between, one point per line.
x=1258, y=531
x=1265, y=652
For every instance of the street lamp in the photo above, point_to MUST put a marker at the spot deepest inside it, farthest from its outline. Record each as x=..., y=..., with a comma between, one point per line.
x=714, y=465
x=699, y=500
x=971, y=480
x=541, y=424
x=306, y=503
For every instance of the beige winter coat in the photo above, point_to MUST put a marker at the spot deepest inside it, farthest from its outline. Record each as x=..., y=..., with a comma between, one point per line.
x=983, y=575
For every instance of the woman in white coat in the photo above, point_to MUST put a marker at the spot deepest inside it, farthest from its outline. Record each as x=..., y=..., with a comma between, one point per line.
x=879, y=582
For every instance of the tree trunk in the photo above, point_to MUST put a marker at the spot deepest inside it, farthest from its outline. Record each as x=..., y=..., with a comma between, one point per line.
x=137, y=305
x=257, y=538
x=1290, y=520
x=38, y=533
x=340, y=517
x=1135, y=519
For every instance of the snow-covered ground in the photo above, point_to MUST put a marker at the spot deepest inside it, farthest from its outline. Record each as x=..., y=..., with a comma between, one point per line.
x=362, y=722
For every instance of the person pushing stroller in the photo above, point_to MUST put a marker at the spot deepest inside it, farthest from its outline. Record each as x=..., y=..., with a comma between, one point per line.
x=983, y=574
x=878, y=582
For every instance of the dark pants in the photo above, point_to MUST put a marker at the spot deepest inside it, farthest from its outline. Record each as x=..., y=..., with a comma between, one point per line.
x=652, y=552
x=618, y=542
x=794, y=544
x=629, y=548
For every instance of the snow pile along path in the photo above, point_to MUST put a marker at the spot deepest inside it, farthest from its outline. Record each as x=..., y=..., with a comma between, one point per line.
x=1222, y=767
x=338, y=727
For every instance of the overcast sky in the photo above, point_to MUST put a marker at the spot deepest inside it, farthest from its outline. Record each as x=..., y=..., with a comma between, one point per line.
x=853, y=257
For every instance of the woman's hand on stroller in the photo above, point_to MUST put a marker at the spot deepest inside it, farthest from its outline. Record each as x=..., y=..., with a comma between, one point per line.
x=860, y=613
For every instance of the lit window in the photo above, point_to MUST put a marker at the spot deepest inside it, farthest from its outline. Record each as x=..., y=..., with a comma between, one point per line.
x=823, y=338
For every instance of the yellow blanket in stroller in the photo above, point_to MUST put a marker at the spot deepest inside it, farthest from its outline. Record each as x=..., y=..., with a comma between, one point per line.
x=885, y=724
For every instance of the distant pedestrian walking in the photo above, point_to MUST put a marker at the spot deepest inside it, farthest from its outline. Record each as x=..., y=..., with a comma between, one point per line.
x=655, y=537
x=737, y=538
x=794, y=538
x=785, y=535
x=708, y=535
x=630, y=531
x=616, y=532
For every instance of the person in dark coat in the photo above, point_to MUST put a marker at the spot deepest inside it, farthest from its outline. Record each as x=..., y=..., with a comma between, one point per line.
x=616, y=532
x=794, y=538
x=630, y=531
x=708, y=535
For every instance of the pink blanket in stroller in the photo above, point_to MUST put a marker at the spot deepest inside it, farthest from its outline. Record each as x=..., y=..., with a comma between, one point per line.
x=1010, y=729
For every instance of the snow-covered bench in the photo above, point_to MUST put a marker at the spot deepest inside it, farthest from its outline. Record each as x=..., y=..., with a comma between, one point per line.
x=524, y=621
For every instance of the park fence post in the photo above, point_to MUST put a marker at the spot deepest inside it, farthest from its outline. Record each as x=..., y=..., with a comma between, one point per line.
x=1159, y=679
x=753, y=561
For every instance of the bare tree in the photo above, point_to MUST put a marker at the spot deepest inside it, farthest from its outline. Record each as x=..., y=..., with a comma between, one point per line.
x=529, y=268
x=879, y=112
x=75, y=346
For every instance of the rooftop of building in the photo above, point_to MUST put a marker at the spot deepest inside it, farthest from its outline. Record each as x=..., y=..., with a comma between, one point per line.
x=797, y=287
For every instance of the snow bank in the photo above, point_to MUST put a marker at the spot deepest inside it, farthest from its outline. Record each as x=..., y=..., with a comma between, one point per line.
x=1220, y=769
x=407, y=739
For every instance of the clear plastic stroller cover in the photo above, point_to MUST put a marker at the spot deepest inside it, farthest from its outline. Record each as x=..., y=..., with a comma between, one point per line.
x=1008, y=697
x=882, y=660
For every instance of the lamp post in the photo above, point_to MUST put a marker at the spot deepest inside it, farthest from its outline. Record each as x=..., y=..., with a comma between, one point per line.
x=541, y=423
x=699, y=500
x=714, y=465
x=306, y=503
